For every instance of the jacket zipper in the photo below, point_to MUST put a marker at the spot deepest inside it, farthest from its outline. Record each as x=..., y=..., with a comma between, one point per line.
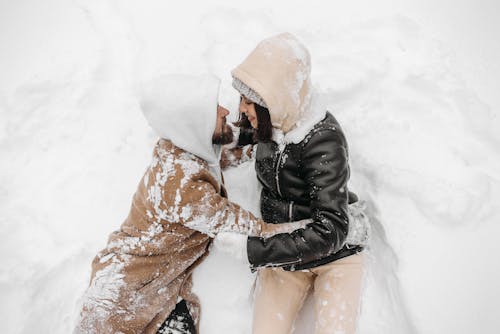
x=277, y=177
x=290, y=211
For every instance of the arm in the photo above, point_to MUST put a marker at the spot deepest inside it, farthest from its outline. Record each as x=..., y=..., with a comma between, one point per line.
x=326, y=171
x=211, y=213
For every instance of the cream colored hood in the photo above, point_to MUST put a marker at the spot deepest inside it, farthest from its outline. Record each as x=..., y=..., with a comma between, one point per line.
x=279, y=70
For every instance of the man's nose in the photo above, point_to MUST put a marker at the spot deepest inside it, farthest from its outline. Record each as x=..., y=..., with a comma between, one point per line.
x=222, y=112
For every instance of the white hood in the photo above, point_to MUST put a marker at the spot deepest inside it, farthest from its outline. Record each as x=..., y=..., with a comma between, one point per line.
x=182, y=109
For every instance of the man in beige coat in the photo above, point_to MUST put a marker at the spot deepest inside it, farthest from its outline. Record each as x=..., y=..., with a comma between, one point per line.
x=179, y=206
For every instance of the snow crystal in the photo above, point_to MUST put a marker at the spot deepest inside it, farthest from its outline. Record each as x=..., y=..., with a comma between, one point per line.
x=106, y=258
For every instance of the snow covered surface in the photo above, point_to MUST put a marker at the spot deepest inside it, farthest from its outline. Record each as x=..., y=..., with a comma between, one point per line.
x=413, y=83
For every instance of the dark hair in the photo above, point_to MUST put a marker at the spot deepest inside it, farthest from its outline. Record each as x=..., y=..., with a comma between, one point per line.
x=249, y=135
x=265, y=127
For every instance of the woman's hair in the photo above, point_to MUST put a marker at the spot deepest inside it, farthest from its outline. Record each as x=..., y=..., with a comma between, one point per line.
x=264, y=131
x=264, y=125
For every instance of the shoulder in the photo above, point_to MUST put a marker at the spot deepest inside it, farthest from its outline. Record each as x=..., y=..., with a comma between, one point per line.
x=169, y=159
x=327, y=130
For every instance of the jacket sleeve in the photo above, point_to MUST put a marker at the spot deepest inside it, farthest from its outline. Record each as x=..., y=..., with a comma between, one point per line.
x=210, y=213
x=325, y=170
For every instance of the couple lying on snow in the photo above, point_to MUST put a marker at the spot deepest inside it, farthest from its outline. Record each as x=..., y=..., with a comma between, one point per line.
x=311, y=233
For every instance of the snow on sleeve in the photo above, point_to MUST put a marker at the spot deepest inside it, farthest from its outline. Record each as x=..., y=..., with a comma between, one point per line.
x=170, y=176
x=100, y=301
x=211, y=213
x=183, y=191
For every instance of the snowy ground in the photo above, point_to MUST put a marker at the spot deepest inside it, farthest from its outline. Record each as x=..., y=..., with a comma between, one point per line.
x=414, y=84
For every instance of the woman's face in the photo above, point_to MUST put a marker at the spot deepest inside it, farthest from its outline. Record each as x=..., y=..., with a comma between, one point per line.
x=247, y=107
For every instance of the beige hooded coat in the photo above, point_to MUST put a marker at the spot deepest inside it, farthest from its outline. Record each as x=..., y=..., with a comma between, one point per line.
x=178, y=206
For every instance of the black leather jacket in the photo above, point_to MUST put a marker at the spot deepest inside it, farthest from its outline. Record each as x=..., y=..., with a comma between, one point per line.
x=307, y=180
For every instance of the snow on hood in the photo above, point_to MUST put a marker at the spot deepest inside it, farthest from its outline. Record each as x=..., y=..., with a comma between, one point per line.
x=279, y=71
x=182, y=109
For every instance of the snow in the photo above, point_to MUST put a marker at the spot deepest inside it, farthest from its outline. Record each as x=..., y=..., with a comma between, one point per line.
x=414, y=85
x=104, y=291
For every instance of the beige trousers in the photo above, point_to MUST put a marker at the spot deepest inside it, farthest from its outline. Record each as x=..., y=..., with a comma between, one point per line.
x=279, y=295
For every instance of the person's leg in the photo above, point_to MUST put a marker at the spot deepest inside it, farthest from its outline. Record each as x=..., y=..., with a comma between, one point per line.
x=279, y=295
x=337, y=289
x=179, y=321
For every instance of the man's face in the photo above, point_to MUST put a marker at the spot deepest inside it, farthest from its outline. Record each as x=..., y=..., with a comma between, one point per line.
x=223, y=133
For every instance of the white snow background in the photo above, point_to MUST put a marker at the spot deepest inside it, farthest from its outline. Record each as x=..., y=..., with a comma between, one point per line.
x=413, y=83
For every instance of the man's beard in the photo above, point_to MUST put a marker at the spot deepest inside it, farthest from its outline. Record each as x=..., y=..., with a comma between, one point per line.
x=226, y=137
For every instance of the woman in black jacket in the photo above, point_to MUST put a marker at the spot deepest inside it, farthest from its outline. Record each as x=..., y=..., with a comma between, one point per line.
x=302, y=163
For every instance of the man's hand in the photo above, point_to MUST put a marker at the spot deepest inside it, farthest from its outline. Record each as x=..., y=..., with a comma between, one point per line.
x=269, y=230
